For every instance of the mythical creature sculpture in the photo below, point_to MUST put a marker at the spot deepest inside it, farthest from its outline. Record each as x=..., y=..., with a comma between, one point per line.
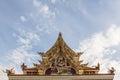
x=112, y=70
x=9, y=71
x=41, y=53
x=79, y=53
x=23, y=66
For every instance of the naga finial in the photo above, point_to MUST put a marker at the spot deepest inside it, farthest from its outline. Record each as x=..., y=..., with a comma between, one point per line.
x=35, y=64
x=23, y=66
x=98, y=66
x=112, y=70
x=79, y=54
x=41, y=53
x=9, y=71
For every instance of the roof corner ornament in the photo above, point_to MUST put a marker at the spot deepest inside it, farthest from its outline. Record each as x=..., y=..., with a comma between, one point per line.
x=79, y=54
x=98, y=66
x=85, y=65
x=40, y=61
x=41, y=53
x=9, y=71
x=23, y=66
x=111, y=70
x=35, y=64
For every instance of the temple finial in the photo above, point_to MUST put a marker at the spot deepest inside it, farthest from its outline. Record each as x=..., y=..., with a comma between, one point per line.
x=60, y=34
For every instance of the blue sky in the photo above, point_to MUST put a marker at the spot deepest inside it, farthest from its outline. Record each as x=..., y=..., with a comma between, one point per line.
x=29, y=26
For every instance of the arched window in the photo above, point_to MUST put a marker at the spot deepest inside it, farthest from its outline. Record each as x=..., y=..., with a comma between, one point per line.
x=48, y=71
x=73, y=71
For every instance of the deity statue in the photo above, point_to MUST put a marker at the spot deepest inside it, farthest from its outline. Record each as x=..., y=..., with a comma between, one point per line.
x=60, y=61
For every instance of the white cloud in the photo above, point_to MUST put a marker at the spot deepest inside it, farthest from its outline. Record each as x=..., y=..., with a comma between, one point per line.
x=53, y=1
x=24, y=41
x=16, y=58
x=23, y=19
x=50, y=28
x=37, y=3
x=43, y=9
x=44, y=17
x=100, y=47
x=46, y=11
x=22, y=53
x=27, y=38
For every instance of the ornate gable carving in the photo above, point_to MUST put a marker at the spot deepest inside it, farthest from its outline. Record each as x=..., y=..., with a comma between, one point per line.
x=61, y=57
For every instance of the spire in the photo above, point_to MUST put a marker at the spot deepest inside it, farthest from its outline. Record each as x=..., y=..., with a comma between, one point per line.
x=60, y=37
x=60, y=34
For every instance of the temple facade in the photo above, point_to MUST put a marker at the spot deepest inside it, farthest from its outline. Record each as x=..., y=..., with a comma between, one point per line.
x=60, y=62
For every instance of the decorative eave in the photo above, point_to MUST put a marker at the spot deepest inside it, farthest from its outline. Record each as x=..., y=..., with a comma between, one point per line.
x=89, y=68
x=30, y=69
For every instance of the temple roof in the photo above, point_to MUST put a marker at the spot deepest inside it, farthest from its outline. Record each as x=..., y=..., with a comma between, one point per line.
x=59, y=59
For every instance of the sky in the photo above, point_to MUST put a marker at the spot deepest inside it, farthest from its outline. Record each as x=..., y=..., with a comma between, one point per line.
x=31, y=26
